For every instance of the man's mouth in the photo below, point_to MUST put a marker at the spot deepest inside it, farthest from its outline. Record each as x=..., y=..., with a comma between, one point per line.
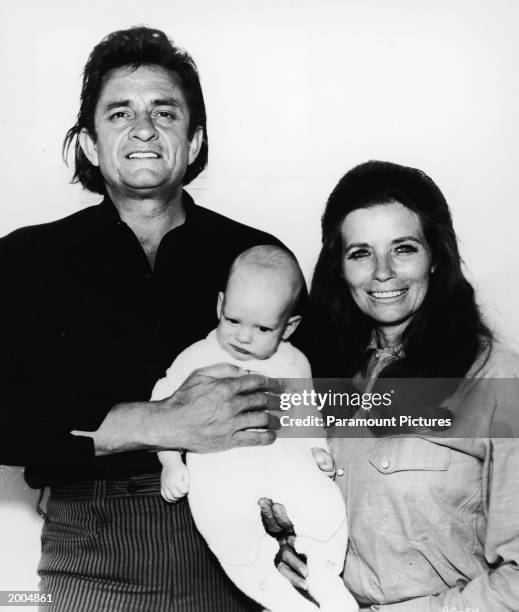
x=143, y=155
x=386, y=295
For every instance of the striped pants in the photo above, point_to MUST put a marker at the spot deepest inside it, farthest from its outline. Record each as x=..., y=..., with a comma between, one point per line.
x=113, y=546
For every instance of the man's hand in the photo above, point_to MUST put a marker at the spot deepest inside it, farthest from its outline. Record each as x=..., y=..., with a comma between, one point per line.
x=218, y=406
x=278, y=525
x=215, y=409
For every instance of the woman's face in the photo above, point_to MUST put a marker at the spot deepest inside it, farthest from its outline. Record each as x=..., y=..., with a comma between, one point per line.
x=386, y=263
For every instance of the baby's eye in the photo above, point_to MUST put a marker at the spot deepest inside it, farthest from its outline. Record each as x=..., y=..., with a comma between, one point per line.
x=404, y=249
x=231, y=321
x=264, y=330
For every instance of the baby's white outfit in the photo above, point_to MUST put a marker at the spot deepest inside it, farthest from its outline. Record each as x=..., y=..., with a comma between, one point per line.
x=225, y=488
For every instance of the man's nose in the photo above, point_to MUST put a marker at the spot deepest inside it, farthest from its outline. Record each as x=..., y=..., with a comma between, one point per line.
x=244, y=334
x=143, y=128
x=383, y=268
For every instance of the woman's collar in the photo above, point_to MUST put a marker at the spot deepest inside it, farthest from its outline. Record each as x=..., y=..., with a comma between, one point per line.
x=374, y=344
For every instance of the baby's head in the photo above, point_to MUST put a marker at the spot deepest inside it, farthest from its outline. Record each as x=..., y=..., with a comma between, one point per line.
x=255, y=311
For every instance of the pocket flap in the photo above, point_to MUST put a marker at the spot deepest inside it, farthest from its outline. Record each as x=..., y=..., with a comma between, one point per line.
x=406, y=454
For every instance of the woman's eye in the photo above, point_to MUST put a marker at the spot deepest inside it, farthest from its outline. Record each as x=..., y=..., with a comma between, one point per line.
x=406, y=248
x=358, y=254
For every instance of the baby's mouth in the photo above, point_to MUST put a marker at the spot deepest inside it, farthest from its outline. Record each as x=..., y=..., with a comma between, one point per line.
x=240, y=350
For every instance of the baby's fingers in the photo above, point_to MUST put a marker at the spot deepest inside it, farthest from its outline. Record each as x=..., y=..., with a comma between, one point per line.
x=325, y=461
x=168, y=496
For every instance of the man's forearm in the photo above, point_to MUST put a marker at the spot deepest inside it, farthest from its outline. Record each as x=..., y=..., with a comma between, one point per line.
x=215, y=409
x=129, y=427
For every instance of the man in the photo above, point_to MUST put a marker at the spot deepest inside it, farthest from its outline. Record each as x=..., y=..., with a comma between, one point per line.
x=95, y=307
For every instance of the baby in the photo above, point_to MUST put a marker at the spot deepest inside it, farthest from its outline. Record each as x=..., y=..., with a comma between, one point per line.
x=255, y=322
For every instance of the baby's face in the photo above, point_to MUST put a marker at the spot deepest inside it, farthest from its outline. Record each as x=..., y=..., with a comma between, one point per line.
x=253, y=315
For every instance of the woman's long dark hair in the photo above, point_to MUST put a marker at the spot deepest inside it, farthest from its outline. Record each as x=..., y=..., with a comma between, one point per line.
x=446, y=333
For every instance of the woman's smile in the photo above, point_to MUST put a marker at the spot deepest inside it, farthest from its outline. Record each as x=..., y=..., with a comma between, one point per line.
x=387, y=294
x=386, y=263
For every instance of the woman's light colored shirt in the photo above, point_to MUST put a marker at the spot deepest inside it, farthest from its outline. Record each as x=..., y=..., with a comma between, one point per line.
x=434, y=519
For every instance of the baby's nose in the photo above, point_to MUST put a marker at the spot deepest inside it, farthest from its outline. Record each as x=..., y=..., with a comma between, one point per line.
x=244, y=335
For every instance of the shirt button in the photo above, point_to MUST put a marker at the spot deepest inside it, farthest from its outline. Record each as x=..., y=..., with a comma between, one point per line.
x=385, y=463
x=339, y=471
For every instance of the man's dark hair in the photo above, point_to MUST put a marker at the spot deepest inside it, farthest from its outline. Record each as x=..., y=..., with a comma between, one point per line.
x=134, y=47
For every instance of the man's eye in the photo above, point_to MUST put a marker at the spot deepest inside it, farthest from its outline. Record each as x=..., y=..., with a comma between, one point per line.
x=118, y=115
x=165, y=115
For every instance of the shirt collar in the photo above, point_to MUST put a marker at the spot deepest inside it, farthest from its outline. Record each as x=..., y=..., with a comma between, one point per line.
x=396, y=351
x=112, y=216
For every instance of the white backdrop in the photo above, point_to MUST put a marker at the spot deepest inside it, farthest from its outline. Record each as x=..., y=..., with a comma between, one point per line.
x=297, y=92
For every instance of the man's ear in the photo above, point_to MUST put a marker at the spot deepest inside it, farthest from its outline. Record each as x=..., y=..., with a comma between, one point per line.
x=291, y=327
x=195, y=145
x=87, y=144
x=219, y=303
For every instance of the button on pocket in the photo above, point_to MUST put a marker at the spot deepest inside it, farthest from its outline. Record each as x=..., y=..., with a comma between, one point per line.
x=407, y=454
x=409, y=488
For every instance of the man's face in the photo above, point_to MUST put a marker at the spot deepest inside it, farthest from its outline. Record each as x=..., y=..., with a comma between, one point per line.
x=141, y=122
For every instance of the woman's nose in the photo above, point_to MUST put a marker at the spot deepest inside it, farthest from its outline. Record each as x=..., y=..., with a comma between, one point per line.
x=383, y=268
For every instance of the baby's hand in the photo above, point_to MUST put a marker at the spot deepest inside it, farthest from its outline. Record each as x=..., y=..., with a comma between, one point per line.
x=324, y=460
x=174, y=482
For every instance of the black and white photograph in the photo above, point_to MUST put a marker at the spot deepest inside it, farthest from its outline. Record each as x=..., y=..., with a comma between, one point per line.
x=259, y=330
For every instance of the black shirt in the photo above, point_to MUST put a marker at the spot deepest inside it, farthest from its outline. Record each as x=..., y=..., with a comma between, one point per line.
x=85, y=323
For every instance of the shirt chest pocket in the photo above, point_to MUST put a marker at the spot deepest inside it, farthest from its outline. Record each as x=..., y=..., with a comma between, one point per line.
x=409, y=487
x=392, y=455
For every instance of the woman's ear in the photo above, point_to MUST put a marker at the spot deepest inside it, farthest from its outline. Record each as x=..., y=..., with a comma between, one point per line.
x=291, y=326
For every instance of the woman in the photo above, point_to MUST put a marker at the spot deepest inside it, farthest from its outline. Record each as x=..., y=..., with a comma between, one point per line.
x=433, y=514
